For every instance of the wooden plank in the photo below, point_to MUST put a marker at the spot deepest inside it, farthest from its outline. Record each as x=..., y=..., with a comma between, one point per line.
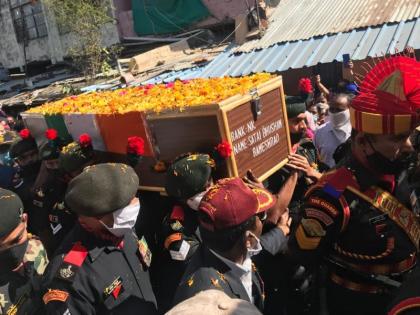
x=261, y=144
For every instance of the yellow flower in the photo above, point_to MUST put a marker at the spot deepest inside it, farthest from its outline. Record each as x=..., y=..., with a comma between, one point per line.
x=157, y=98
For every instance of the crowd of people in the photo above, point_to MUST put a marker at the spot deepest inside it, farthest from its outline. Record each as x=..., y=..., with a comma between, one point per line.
x=335, y=231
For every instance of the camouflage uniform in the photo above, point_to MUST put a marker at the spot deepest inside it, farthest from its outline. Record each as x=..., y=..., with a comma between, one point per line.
x=18, y=289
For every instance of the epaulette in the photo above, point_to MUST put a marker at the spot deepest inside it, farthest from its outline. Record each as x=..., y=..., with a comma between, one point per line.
x=72, y=261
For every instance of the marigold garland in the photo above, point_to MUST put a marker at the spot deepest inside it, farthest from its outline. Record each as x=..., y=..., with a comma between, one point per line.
x=170, y=96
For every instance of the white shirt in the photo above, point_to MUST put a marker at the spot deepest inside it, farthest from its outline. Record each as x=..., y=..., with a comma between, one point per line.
x=242, y=272
x=326, y=142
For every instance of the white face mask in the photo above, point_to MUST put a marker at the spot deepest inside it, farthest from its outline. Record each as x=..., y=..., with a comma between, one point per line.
x=341, y=126
x=340, y=119
x=257, y=248
x=195, y=200
x=124, y=219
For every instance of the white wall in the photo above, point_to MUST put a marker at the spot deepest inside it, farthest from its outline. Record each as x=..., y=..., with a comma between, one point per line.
x=54, y=47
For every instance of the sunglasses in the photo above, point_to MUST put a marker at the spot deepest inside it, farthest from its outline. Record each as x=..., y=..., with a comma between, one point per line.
x=262, y=216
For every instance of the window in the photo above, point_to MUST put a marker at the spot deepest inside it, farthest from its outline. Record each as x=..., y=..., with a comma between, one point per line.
x=28, y=19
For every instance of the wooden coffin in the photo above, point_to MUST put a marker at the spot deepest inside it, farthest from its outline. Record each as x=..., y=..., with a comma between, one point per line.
x=254, y=124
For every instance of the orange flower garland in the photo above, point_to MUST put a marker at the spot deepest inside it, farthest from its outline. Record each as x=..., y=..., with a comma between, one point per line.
x=174, y=95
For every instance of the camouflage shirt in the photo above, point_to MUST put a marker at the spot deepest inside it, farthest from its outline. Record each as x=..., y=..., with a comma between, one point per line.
x=18, y=289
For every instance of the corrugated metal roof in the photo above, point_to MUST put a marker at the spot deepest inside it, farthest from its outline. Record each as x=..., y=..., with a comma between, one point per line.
x=302, y=19
x=359, y=43
x=185, y=74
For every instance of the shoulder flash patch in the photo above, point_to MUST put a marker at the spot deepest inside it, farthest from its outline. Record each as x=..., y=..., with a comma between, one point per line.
x=336, y=182
x=177, y=213
x=55, y=295
x=77, y=255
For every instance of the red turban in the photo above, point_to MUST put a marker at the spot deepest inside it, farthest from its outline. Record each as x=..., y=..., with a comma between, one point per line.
x=389, y=101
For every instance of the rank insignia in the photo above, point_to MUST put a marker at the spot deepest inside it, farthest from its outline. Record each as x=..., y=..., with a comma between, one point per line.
x=115, y=288
x=221, y=276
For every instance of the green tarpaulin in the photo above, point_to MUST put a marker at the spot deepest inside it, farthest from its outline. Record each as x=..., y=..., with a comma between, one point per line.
x=166, y=16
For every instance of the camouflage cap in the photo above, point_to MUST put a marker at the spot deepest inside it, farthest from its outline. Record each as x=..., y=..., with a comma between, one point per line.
x=188, y=175
x=11, y=208
x=74, y=157
x=102, y=189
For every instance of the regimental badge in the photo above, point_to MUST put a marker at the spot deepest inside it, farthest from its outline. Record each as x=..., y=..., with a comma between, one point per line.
x=40, y=193
x=190, y=282
x=67, y=272
x=176, y=226
x=115, y=288
x=215, y=282
x=55, y=295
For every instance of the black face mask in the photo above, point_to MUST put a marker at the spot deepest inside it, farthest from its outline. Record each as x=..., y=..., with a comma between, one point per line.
x=296, y=137
x=386, y=166
x=12, y=257
x=30, y=170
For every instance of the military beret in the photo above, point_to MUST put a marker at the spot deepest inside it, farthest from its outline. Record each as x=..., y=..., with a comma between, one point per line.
x=74, y=156
x=49, y=151
x=295, y=105
x=11, y=209
x=22, y=144
x=188, y=175
x=102, y=189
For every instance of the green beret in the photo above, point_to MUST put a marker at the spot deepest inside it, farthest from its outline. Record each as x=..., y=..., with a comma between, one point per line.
x=21, y=146
x=11, y=209
x=74, y=157
x=295, y=106
x=188, y=175
x=102, y=189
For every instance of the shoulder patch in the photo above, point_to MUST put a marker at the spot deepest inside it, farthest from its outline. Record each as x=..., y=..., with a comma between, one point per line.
x=55, y=295
x=319, y=215
x=321, y=203
x=305, y=242
x=177, y=213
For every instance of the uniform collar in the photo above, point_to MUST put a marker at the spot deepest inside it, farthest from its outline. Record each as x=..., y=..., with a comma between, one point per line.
x=366, y=178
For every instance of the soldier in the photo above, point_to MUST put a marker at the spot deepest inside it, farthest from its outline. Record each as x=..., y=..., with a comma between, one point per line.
x=101, y=267
x=350, y=218
x=22, y=259
x=55, y=220
x=230, y=215
x=187, y=180
x=25, y=152
x=303, y=160
x=8, y=176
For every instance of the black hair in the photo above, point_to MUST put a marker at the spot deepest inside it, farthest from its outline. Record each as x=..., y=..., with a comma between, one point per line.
x=226, y=239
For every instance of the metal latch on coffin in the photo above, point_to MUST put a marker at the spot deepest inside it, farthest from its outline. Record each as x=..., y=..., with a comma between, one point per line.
x=256, y=106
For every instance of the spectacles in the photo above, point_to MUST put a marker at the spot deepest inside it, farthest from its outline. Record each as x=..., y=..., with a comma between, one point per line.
x=262, y=216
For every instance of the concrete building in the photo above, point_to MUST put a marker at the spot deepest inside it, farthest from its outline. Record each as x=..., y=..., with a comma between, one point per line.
x=44, y=42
